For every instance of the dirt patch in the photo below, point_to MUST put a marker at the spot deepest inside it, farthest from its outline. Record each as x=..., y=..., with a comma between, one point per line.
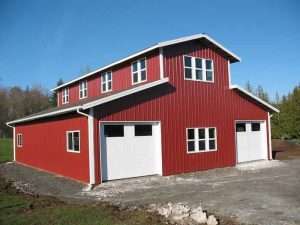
x=285, y=150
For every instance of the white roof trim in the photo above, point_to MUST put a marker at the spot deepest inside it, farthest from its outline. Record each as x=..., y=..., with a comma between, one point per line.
x=254, y=97
x=158, y=45
x=93, y=103
x=124, y=93
x=54, y=113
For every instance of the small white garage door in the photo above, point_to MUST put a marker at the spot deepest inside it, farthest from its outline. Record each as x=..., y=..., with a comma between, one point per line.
x=251, y=140
x=130, y=150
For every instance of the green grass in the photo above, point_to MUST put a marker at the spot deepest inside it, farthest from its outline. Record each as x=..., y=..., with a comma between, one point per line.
x=20, y=209
x=6, y=150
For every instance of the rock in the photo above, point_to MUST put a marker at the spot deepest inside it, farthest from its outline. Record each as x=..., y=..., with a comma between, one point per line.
x=180, y=211
x=212, y=220
x=199, y=217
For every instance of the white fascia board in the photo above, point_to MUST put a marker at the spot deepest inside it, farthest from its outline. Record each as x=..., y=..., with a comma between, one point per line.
x=43, y=115
x=159, y=45
x=124, y=93
x=106, y=67
x=198, y=36
x=254, y=97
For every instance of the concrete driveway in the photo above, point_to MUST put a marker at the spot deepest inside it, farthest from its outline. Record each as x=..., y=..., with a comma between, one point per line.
x=265, y=193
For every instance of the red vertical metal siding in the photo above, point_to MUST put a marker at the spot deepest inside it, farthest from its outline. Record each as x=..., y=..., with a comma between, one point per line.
x=186, y=104
x=121, y=78
x=44, y=146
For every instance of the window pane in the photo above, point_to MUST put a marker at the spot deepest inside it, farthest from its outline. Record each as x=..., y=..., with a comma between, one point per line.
x=143, y=75
x=209, y=76
x=135, y=77
x=199, y=75
x=70, y=141
x=201, y=145
x=201, y=133
x=114, y=130
x=143, y=130
x=103, y=77
x=211, y=132
x=134, y=66
x=208, y=64
x=109, y=76
x=143, y=63
x=198, y=63
x=191, y=134
x=76, y=141
x=191, y=146
x=187, y=61
x=240, y=127
x=104, y=87
x=255, y=126
x=188, y=73
x=109, y=85
x=212, y=144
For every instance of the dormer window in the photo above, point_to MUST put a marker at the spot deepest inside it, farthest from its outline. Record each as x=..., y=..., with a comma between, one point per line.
x=65, y=96
x=198, y=69
x=139, y=71
x=106, y=82
x=83, y=89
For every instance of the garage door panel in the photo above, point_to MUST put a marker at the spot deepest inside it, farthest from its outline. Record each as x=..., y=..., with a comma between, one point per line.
x=135, y=154
x=251, y=141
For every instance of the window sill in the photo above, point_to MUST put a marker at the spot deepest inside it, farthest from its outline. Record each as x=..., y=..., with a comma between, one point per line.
x=71, y=151
x=204, y=81
x=139, y=82
x=215, y=150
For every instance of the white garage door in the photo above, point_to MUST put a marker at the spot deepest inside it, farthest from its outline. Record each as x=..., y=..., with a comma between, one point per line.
x=130, y=150
x=251, y=138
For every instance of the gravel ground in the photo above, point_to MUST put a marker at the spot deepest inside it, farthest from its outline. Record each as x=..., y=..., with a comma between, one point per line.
x=265, y=193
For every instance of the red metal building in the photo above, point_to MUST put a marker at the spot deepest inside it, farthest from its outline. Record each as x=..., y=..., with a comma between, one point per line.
x=168, y=109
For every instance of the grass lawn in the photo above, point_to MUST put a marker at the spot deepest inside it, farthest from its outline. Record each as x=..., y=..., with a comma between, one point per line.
x=19, y=209
x=6, y=150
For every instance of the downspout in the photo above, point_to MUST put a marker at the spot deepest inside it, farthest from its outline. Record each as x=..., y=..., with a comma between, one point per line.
x=14, y=141
x=90, y=117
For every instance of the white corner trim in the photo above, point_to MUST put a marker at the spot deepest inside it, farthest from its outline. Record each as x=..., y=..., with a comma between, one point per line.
x=124, y=93
x=254, y=97
x=270, y=136
x=161, y=63
x=158, y=45
x=14, y=142
x=229, y=73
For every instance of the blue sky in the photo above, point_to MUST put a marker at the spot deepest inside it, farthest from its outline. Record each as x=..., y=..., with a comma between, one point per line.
x=42, y=41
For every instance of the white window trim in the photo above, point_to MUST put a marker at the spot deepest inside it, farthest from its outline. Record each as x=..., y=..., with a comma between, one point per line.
x=139, y=71
x=65, y=95
x=204, y=70
x=19, y=140
x=106, y=81
x=83, y=89
x=67, y=140
x=207, y=139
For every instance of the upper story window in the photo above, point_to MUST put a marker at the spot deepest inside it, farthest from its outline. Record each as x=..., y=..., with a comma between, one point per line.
x=83, y=89
x=65, y=96
x=139, y=71
x=106, y=82
x=198, y=69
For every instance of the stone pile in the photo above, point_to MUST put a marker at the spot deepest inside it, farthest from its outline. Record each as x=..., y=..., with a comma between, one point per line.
x=180, y=213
